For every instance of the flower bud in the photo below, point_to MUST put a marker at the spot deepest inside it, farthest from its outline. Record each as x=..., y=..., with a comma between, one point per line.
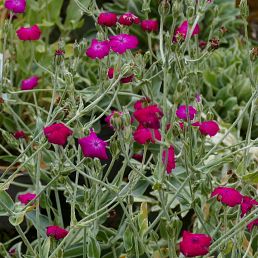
x=164, y=8
x=244, y=9
x=210, y=116
x=116, y=121
x=146, y=6
x=176, y=9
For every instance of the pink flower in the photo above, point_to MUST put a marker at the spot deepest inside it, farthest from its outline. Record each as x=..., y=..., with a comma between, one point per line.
x=252, y=224
x=29, y=33
x=98, y=49
x=126, y=79
x=122, y=42
x=26, y=198
x=195, y=244
x=19, y=135
x=183, y=28
x=150, y=25
x=168, y=158
x=144, y=135
x=107, y=19
x=56, y=232
x=229, y=196
x=16, y=6
x=149, y=116
x=93, y=147
x=128, y=19
x=12, y=251
x=143, y=102
x=210, y=128
x=247, y=204
x=57, y=133
x=181, y=112
x=30, y=83
x=202, y=44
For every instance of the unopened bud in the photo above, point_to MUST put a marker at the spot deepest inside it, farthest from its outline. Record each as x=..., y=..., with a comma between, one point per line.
x=164, y=8
x=244, y=9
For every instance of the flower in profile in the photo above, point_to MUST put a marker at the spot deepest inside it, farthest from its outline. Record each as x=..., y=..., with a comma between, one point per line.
x=19, y=135
x=126, y=79
x=107, y=19
x=128, y=19
x=202, y=44
x=57, y=133
x=30, y=83
x=98, y=49
x=29, y=33
x=12, y=252
x=210, y=128
x=182, y=30
x=252, y=224
x=16, y=6
x=195, y=244
x=56, y=232
x=26, y=198
x=247, y=204
x=229, y=196
x=122, y=42
x=93, y=147
x=168, y=159
x=150, y=25
x=182, y=111
x=144, y=135
x=149, y=116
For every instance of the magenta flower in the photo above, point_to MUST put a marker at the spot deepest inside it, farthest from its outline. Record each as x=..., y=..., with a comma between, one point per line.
x=93, y=147
x=56, y=232
x=30, y=83
x=122, y=42
x=19, y=135
x=150, y=25
x=107, y=19
x=195, y=244
x=252, y=224
x=126, y=79
x=98, y=49
x=16, y=6
x=168, y=159
x=183, y=28
x=181, y=112
x=210, y=128
x=149, y=116
x=247, y=204
x=29, y=33
x=128, y=19
x=26, y=198
x=144, y=135
x=57, y=133
x=229, y=196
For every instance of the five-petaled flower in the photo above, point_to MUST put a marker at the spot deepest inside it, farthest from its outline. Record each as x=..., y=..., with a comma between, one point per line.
x=210, y=128
x=26, y=198
x=57, y=133
x=56, y=232
x=123, y=42
x=195, y=244
x=183, y=112
x=16, y=6
x=144, y=135
x=29, y=33
x=93, y=147
x=30, y=83
x=98, y=49
x=150, y=25
x=107, y=19
x=229, y=196
x=128, y=19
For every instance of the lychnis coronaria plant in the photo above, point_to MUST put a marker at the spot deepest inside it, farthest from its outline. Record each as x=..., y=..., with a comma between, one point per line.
x=128, y=129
